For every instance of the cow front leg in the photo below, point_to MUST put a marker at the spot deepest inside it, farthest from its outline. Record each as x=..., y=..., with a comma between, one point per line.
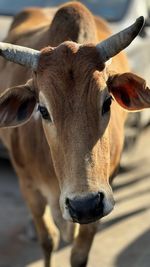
x=82, y=245
x=67, y=229
x=46, y=230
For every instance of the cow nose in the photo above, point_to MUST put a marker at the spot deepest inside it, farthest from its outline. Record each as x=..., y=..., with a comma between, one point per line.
x=86, y=209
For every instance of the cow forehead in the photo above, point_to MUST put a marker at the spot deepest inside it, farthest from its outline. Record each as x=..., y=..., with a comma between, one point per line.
x=71, y=55
x=71, y=70
x=71, y=79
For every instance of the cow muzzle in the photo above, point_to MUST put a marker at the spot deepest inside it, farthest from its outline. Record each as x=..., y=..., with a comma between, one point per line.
x=89, y=208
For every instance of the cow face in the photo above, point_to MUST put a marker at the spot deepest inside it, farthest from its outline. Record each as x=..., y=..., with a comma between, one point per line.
x=75, y=105
x=74, y=90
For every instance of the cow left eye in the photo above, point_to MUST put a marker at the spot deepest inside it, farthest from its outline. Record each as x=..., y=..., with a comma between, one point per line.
x=106, y=105
x=44, y=112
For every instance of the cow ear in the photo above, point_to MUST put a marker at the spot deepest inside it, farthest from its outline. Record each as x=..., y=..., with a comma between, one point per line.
x=16, y=105
x=130, y=91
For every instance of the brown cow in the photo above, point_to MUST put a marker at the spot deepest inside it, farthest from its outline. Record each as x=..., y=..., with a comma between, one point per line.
x=67, y=158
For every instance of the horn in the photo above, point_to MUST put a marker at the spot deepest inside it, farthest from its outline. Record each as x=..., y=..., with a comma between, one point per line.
x=117, y=42
x=21, y=55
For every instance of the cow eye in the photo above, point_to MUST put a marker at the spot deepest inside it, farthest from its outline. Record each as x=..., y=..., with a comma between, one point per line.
x=106, y=105
x=44, y=113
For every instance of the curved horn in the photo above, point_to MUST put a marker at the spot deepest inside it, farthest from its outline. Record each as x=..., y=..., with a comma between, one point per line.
x=117, y=42
x=21, y=55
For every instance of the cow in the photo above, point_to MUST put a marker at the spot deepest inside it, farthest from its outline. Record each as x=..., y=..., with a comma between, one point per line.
x=66, y=89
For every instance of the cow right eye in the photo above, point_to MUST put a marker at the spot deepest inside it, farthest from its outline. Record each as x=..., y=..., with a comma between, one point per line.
x=44, y=113
x=106, y=105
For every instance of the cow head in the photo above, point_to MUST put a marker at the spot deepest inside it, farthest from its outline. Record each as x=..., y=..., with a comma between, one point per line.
x=72, y=89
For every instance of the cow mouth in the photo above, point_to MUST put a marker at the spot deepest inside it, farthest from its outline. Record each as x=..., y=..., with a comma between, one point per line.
x=87, y=220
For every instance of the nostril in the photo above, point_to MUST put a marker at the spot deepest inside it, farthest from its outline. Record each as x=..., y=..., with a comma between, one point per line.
x=71, y=205
x=67, y=201
x=101, y=196
x=68, y=204
x=98, y=201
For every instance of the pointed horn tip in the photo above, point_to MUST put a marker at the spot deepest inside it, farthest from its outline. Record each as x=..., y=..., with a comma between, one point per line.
x=140, y=21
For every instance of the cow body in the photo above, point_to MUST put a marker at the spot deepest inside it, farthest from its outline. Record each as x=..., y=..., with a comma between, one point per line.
x=59, y=172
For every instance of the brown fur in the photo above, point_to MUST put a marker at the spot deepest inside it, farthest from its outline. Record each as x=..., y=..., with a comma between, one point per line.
x=77, y=75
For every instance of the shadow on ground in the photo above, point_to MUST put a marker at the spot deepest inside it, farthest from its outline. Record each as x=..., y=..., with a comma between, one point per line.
x=139, y=257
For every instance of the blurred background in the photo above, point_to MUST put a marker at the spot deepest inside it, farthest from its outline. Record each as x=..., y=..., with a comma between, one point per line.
x=125, y=236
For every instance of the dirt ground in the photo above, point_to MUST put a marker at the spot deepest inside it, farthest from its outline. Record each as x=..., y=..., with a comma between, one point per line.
x=124, y=236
